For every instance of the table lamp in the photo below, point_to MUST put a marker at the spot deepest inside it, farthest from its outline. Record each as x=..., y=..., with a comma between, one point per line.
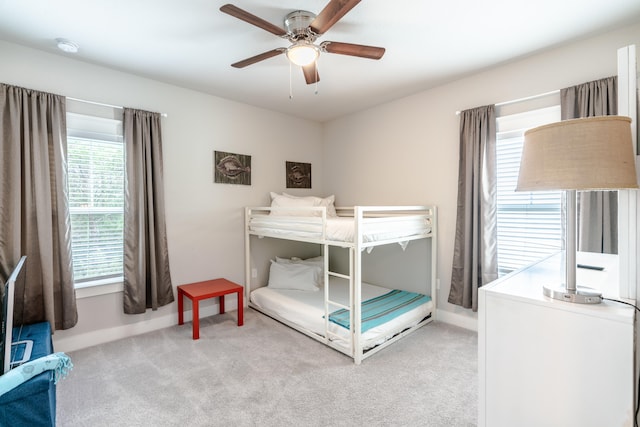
x=594, y=153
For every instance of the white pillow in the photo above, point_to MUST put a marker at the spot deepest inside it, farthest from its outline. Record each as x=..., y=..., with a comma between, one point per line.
x=317, y=262
x=296, y=276
x=280, y=201
x=327, y=202
x=287, y=200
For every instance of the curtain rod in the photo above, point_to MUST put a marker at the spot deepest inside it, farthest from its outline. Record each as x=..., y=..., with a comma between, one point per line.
x=526, y=98
x=102, y=104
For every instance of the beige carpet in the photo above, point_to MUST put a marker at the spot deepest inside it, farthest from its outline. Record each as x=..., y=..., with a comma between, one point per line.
x=266, y=374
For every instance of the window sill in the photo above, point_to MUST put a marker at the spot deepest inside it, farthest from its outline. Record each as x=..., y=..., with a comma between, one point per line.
x=99, y=287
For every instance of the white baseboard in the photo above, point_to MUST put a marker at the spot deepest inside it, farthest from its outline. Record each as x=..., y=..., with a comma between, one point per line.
x=466, y=322
x=89, y=339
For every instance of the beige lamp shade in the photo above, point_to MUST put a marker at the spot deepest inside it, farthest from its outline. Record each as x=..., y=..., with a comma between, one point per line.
x=594, y=153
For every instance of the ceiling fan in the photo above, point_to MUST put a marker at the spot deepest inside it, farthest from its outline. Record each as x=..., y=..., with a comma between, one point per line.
x=302, y=29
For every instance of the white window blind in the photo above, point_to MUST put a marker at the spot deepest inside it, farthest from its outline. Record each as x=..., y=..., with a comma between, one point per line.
x=529, y=223
x=95, y=153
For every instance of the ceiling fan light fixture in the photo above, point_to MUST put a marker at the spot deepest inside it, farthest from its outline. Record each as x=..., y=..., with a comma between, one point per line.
x=303, y=53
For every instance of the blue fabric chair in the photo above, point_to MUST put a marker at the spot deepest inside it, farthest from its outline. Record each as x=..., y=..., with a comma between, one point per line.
x=28, y=392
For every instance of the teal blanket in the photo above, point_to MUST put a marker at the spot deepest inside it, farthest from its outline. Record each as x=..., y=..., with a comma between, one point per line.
x=59, y=363
x=379, y=310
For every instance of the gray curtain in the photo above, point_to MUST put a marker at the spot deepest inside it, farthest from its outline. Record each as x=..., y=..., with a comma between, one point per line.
x=475, y=257
x=147, y=279
x=34, y=211
x=597, y=210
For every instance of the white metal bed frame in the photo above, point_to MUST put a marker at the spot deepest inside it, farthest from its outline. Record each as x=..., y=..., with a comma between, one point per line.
x=360, y=215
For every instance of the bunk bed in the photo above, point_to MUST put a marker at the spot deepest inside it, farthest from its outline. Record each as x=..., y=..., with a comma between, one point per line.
x=339, y=309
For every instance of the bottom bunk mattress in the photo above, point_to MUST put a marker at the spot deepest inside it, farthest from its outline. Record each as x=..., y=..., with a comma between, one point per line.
x=305, y=309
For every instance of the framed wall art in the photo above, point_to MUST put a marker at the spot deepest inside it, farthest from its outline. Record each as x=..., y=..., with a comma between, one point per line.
x=231, y=168
x=298, y=174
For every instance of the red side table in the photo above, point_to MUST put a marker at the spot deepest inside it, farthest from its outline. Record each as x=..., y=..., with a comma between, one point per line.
x=208, y=289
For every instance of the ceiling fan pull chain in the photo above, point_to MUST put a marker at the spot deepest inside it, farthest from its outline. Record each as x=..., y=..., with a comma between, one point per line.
x=290, y=85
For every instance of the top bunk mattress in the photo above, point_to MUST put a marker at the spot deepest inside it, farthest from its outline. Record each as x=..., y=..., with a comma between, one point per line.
x=341, y=229
x=305, y=309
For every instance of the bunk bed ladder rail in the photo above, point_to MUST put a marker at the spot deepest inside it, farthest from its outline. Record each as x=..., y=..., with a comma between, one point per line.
x=354, y=307
x=247, y=255
x=434, y=259
x=329, y=305
x=356, y=288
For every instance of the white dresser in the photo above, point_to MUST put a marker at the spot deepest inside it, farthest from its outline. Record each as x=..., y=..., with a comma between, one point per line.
x=547, y=363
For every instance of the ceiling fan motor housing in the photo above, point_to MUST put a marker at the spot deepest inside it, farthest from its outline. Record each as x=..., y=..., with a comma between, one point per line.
x=297, y=25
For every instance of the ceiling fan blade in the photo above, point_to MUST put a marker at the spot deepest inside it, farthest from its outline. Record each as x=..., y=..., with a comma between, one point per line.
x=236, y=12
x=311, y=73
x=258, y=58
x=371, y=52
x=331, y=14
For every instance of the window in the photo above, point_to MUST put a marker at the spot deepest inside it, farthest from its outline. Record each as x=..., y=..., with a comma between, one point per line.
x=95, y=157
x=529, y=223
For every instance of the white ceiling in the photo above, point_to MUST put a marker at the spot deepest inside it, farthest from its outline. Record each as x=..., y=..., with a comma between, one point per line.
x=192, y=44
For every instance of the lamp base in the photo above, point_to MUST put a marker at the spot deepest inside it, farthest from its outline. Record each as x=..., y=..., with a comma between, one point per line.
x=581, y=295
